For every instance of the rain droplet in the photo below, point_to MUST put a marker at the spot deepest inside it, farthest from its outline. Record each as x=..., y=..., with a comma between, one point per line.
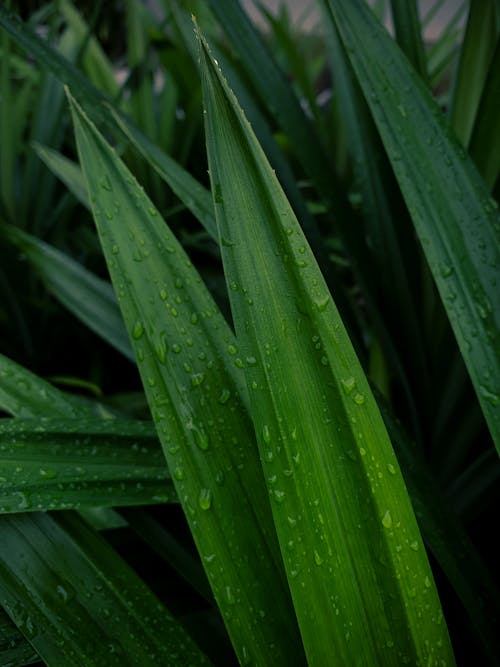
x=349, y=384
x=279, y=496
x=47, y=474
x=359, y=399
x=490, y=396
x=317, y=558
x=387, y=520
x=205, y=499
x=322, y=302
x=201, y=439
x=138, y=330
x=105, y=183
x=391, y=469
x=224, y=396
x=197, y=379
x=266, y=435
x=414, y=545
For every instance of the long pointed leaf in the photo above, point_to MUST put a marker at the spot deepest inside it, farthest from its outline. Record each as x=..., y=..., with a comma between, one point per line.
x=88, y=297
x=356, y=566
x=71, y=464
x=66, y=170
x=185, y=354
x=79, y=603
x=457, y=222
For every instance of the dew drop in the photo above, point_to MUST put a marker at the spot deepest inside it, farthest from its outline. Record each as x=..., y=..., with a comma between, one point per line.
x=387, y=520
x=391, y=469
x=201, y=439
x=138, y=330
x=205, y=499
x=414, y=545
x=322, y=302
x=348, y=384
x=197, y=379
x=224, y=396
x=266, y=434
x=105, y=183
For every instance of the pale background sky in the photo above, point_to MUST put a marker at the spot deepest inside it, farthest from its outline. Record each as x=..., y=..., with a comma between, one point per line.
x=299, y=8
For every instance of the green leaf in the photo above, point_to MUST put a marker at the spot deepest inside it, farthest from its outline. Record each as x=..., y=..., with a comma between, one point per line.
x=52, y=60
x=391, y=298
x=447, y=539
x=94, y=60
x=456, y=221
x=15, y=649
x=66, y=170
x=194, y=195
x=484, y=145
x=481, y=35
x=23, y=394
x=70, y=464
x=361, y=584
x=88, y=297
x=409, y=34
x=78, y=603
x=190, y=371
x=277, y=94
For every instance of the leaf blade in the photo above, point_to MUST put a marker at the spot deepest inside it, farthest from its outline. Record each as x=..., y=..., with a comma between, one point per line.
x=72, y=464
x=306, y=386
x=195, y=392
x=454, y=217
x=39, y=556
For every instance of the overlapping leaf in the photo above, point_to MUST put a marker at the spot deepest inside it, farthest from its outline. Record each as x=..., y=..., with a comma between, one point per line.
x=90, y=298
x=78, y=603
x=457, y=223
x=190, y=370
x=69, y=464
x=356, y=566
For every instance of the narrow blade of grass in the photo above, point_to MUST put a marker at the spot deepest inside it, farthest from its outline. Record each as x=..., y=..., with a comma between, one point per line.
x=475, y=56
x=409, y=33
x=185, y=354
x=88, y=297
x=94, y=61
x=78, y=603
x=455, y=219
x=72, y=464
x=66, y=170
x=355, y=562
x=194, y=195
x=388, y=256
x=23, y=394
x=484, y=145
x=446, y=538
x=277, y=94
x=56, y=63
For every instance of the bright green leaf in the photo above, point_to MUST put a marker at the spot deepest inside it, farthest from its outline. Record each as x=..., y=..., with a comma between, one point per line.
x=361, y=584
x=190, y=371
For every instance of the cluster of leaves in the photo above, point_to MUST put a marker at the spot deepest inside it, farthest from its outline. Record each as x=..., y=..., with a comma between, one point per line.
x=305, y=276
